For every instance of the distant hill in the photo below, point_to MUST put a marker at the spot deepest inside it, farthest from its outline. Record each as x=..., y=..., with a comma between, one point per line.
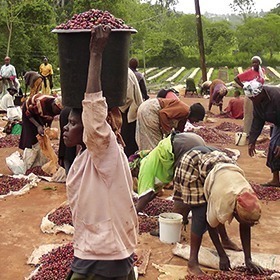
x=233, y=18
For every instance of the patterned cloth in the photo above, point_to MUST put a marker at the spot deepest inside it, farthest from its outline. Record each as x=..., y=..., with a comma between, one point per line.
x=218, y=90
x=40, y=105
x=148, y=133
x=191, y=174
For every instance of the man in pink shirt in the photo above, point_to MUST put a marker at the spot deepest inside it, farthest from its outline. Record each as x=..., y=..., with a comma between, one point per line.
x=235, y=108
x=99, y=183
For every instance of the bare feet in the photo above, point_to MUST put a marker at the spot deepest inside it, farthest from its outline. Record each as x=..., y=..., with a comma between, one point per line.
x=195, y=269
x=230, y=245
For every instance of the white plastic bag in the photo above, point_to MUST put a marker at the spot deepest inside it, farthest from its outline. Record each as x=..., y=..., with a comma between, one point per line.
x=16, y=163
x=14, y=113
x=33, y=157
x=59, y=176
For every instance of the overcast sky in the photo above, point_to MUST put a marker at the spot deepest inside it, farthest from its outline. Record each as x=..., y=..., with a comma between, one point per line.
x=221, y=6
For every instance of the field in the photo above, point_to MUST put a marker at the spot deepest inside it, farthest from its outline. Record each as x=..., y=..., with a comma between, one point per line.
x=157, y=78
x=21, y=216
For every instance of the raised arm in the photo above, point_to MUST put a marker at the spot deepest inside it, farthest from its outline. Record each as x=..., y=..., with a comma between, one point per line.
x=98, y=135
x=99, y=38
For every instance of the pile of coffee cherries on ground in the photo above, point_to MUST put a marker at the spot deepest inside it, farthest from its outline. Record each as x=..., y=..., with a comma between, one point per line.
x=37, y=170
x=91, y=18
x=147, y=224
x=213, y=135
x=56, y=264
x=239, y=273
x=266, y=193
x=61, y=216
x=9, y=141
x=8, y=184
x=158, y=206
x=229, y=126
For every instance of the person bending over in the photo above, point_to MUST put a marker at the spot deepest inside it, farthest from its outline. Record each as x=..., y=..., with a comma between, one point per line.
x=216, y=191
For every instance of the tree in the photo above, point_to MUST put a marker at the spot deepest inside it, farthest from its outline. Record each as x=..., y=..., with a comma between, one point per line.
x=28, y=36
x=276, y=10
x=167, y=4
x=243, y=7
x=219, y=38
x=260, y=35
x=248, y=39
x=271, y=34
x=171, y=53
x=10, y=10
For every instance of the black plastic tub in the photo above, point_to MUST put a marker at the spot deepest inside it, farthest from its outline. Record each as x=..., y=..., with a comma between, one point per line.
x=73, y=49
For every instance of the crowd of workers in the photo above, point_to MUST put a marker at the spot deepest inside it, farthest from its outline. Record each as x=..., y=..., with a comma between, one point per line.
x=145, y=138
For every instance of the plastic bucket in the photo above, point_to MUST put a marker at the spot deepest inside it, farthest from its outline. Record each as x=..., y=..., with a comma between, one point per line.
x=240, y=138
x=73, y=49
x=170, y=225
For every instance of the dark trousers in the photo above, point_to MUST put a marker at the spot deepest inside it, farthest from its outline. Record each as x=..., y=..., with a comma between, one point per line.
x=128, y=135
x=76, y=276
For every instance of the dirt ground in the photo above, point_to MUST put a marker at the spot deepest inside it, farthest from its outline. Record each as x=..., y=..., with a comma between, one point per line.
x=20, y=219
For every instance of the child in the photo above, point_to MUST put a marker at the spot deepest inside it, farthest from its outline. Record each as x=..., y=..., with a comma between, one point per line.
x=99, y=183
x=235, y=108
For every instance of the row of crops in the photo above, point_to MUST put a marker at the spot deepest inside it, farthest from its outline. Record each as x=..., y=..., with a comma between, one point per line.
x=157, y=78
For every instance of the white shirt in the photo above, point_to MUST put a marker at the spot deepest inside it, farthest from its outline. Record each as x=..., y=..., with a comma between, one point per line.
x=7, y=71
x=133, y=98
x=221, y=188
x=6, y=102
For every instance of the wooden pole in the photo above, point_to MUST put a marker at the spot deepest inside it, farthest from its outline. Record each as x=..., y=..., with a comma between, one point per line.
x=200, y=40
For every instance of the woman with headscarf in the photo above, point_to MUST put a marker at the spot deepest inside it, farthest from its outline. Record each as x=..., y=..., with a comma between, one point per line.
x=157, y=117
x=256, y=72
x=266, y=104
x=218, y=91
x=37, y=113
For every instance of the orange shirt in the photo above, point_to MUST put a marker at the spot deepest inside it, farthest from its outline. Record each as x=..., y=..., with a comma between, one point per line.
x=236, y=108
x=172, y=110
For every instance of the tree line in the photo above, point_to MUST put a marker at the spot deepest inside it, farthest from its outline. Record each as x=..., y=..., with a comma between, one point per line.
x=165, y=37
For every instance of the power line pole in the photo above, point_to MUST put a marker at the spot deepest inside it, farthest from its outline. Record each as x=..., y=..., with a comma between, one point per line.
x=200, y=40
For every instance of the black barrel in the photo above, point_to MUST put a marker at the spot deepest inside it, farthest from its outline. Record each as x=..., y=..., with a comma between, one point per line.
x=73, y=48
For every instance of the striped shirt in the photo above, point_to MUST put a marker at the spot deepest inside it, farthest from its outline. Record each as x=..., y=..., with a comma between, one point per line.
x=191, y=173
